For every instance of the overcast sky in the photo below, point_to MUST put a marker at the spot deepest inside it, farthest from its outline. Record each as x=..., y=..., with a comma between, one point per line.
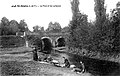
x=43, y=15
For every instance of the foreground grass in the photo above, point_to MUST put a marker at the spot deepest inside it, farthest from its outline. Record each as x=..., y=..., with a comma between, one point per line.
x=18, y=61
x=32, y=68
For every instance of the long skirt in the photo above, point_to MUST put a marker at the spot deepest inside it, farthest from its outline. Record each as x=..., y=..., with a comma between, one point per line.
x=35, y=56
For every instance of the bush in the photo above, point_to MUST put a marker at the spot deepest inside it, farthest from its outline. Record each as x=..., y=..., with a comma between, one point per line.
x=35, y=41
x=12, y=41
x=13, y=68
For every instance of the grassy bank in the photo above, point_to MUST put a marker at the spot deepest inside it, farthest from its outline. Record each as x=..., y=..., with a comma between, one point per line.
x=31, y=68
x=15, y=50
x=15, y=61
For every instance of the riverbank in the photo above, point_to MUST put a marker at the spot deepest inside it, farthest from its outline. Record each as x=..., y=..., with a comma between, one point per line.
x=93, y=65
x=114, y=57
x=18, y=61
x=31, y=68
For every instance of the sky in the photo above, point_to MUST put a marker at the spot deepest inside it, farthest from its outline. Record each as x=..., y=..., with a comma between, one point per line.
x=42, y=16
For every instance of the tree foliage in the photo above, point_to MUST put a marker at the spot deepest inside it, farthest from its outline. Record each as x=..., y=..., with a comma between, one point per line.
x=35, y=41
x=4, y=26
x=105, y=37
x=11, y=27
x=101, y=35
x=98, y=36
x=100, y=11
x=54, y=27
x=38, y=29
x=79, y=30
x=65, y=29
x=23, y=26
x=115, y=27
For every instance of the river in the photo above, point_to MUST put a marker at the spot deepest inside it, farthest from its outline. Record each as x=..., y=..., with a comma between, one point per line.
x=95, y=66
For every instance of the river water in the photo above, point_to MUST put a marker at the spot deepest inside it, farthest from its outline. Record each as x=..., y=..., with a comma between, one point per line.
x=95, y=66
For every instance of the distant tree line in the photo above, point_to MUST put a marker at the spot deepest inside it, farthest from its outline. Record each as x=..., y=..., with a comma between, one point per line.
x=52, y=27
x=101, y=35
x=11, y=27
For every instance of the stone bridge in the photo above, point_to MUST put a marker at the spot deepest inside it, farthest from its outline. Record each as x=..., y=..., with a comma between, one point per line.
x=57, y=39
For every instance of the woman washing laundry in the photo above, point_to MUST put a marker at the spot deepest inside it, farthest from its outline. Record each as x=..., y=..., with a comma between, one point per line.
x=80, y=69
x=66, y=62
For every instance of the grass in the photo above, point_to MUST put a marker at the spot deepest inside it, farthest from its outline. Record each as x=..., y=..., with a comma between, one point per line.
x=18, y=61
x=15, y=50
x=32, y=68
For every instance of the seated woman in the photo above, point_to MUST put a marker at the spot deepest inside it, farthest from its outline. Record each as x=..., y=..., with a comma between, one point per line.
x=66, y=62
x=80, y=69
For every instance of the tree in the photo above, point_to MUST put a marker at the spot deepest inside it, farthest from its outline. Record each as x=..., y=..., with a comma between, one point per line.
x=4, y=26
x=75, y=8
x=98, y=32
x=100, y=11
x=10, y=28
x=106, y=37
x=35, y=41
x=23, y=26
x=54, y=27
x=1, y=29
x=13, y=27
x=5, y=21
x=65, y=29
x=101, y=33
x=115, y=27
x=38, y=29
x=78, y=27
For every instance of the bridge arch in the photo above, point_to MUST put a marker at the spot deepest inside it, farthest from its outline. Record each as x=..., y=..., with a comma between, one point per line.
x=47, y=45
x=48, y=38
x=60, y=41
